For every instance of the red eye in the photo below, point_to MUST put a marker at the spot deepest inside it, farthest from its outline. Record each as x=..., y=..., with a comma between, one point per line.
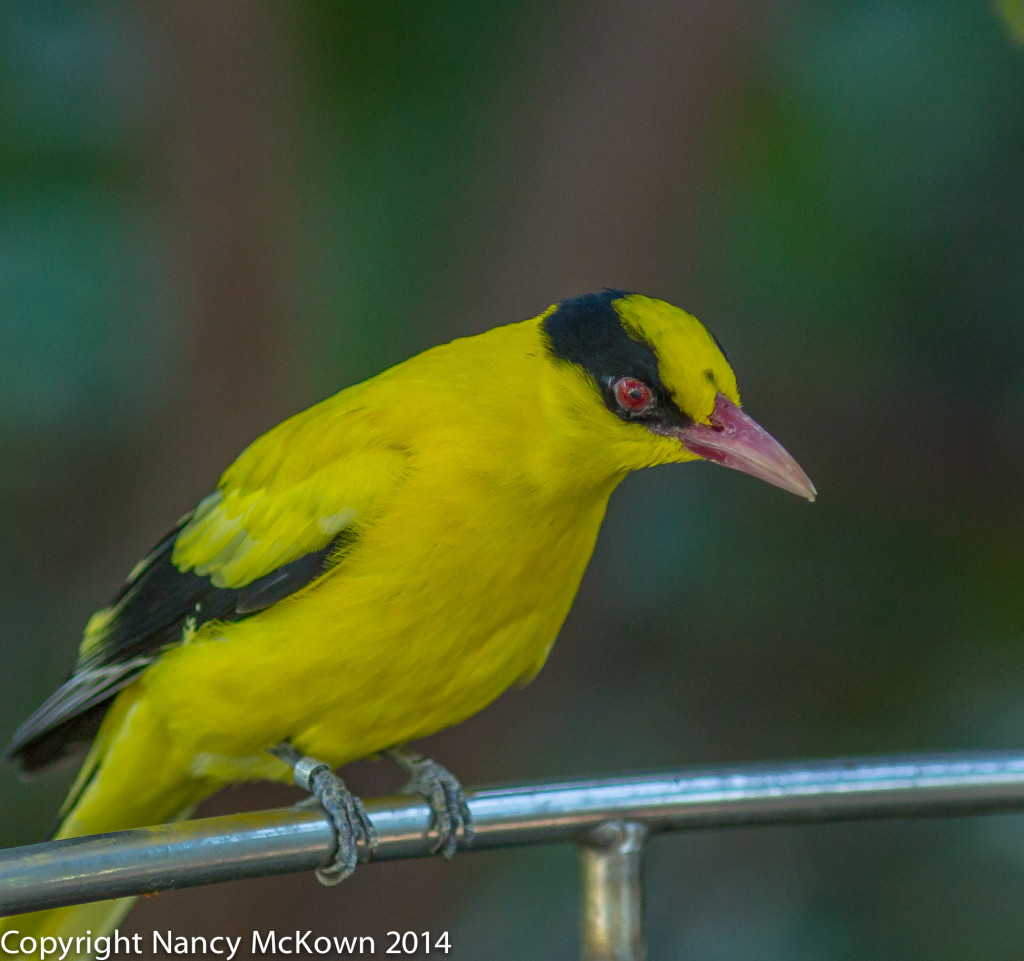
x=632, y=395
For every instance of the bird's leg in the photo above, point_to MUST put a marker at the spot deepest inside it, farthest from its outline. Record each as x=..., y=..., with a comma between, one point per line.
x=344, y=810
x=444, y=794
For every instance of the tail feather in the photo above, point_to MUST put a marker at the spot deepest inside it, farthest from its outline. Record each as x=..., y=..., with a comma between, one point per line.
x=132, y=778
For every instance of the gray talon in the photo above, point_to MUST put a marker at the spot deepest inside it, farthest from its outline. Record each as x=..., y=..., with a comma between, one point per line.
x=344, y=809
x=450, y=815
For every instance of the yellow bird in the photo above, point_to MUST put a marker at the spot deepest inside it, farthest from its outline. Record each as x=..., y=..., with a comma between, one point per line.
x=379, y=567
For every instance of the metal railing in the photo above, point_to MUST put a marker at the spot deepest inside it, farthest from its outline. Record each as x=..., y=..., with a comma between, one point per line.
x=610, y=819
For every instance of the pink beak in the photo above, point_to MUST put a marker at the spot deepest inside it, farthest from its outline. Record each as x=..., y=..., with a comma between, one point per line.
x=735, y=440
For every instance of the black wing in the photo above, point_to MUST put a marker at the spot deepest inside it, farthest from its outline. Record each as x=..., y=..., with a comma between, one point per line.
x=158, y=606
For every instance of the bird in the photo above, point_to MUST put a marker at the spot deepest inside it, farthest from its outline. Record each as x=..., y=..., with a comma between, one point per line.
x=379, y=567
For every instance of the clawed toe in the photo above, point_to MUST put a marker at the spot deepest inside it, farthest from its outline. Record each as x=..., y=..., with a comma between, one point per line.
x=344, y=810
x=450, y=815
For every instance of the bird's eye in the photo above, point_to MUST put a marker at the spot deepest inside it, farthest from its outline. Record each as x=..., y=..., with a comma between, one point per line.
x=632, y=395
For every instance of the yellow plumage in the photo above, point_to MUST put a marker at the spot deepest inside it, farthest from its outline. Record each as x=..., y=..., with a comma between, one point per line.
x=456, y=497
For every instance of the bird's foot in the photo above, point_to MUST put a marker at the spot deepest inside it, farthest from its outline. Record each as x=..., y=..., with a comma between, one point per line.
x=444, y=794
x=344, y=810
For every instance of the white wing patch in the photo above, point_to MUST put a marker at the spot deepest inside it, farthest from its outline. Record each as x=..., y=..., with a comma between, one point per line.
x=336, y=523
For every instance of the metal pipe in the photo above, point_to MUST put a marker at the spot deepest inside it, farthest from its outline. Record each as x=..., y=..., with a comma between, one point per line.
x=298, y=839
x=612, y=892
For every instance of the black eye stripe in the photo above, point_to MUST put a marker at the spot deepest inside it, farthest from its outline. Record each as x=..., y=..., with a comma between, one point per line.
x=587, y=331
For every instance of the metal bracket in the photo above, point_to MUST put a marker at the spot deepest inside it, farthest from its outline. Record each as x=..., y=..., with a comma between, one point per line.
x=612, y=892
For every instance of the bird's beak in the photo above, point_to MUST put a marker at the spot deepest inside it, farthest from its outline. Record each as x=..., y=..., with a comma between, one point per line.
x=736, y=440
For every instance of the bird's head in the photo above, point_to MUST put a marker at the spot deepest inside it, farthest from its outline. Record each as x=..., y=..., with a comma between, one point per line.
x=665, y=381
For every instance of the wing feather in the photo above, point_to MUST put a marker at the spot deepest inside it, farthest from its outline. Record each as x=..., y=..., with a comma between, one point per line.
x=284, y=513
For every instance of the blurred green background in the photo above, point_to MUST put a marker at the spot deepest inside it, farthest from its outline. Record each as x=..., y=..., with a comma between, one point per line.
x=214, y=215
